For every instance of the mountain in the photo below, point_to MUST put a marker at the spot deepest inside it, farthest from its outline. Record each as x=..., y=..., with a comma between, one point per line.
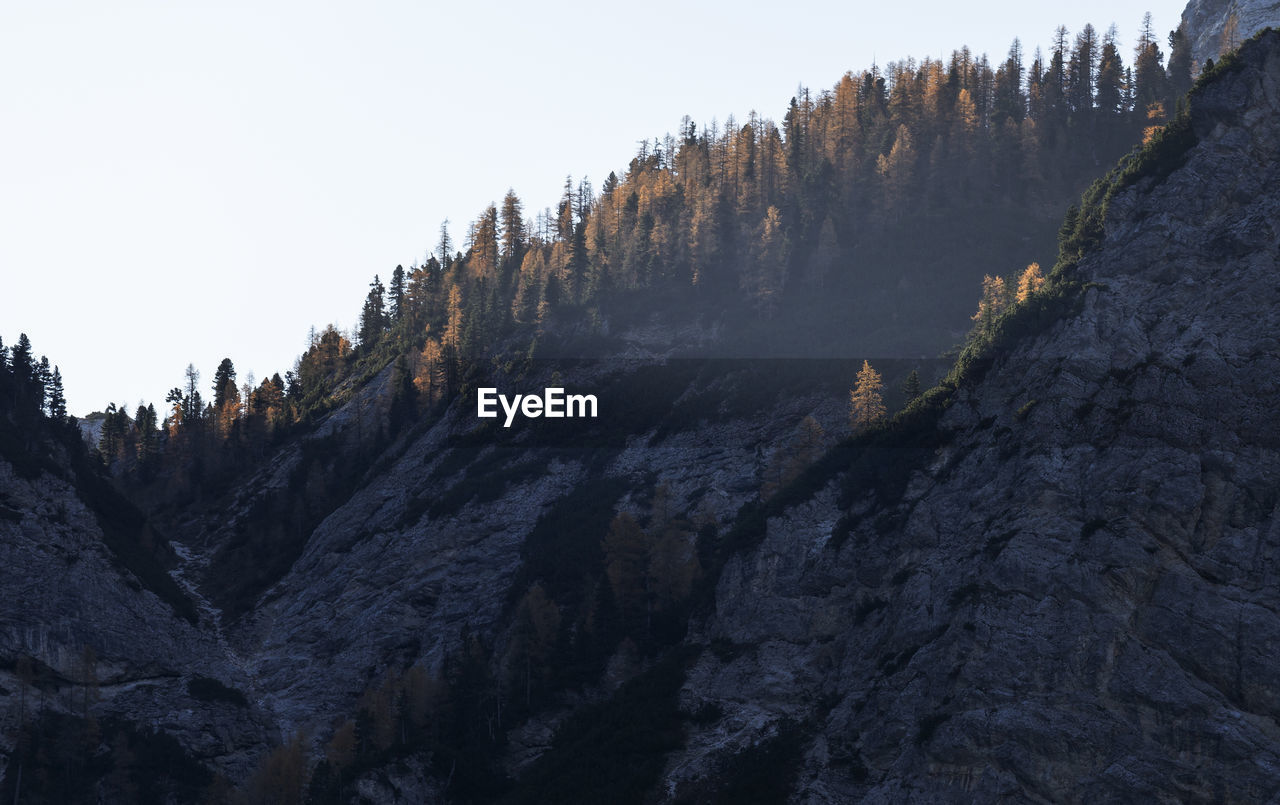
x=1073, y=596
x=1215, y=26
x=1049, y=577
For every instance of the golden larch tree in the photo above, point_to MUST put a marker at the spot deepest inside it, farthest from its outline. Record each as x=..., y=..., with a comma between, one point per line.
x=1031, y=281
x=995, y=299
x=866, y=400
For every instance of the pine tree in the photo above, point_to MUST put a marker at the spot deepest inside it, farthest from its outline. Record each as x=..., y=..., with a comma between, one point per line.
x=866, y=400
x=109, y=438
x=1110, y=95
x=1055, y=81
x=396, y=292
x=1179, y=64
x=1080, y=76
x=445, y=245
x=373, y=318
x=40, y=389
x=22, y=364
x=146, y=448
x=911, y=386
x=513, y=234
x=224, y=379
x=1148, y=73
x=1010, y=102
x=57, y=398
x=192, y=403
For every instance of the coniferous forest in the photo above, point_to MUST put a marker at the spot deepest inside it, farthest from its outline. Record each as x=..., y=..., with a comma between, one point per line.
x=798, y=239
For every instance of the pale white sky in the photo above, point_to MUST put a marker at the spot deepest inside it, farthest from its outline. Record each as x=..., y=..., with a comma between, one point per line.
x=182, y=182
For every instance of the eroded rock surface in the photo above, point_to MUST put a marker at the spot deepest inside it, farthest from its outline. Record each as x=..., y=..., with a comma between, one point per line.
x=1077, y=598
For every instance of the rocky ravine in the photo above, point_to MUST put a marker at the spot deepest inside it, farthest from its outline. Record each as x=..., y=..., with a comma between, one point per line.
x=64, y=591
x=1079, y=598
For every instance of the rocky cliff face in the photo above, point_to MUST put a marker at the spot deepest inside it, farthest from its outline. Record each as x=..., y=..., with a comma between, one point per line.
x=65, y=590
x=1215, y=26
x=1076, y=597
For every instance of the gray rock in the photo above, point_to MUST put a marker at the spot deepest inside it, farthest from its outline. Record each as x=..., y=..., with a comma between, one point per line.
x=1210, y=22
x=1079, y=603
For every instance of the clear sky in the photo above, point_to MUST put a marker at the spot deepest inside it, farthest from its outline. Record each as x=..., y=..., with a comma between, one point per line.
x=182, y=182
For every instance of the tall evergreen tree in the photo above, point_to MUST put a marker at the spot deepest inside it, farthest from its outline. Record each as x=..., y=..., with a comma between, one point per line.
x=1148, y=74
x=224, y=382
x=1110, y=95
x=57, y=398
x=444, y=247
x=373, y=318
x=1010, y=102
x=1080, y=79
x=396, y=293
x=513, y=234
x=192, y=402
x=911, y=386
x=1180, y=78
x=1055, y=81
x=22, y=363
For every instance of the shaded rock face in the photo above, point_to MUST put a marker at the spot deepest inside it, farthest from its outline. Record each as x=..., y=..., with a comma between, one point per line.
x=393, y=579
x=1077, y=599
x=1215, y=26
x=63, y=593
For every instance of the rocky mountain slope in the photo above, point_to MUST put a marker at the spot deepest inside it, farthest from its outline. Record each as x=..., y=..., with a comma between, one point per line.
x=1217, y=25
x=1075, y=598
x=89, y=620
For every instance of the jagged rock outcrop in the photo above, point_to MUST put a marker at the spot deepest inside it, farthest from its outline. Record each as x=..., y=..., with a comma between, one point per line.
x=1215, y=26
x=1076, y=597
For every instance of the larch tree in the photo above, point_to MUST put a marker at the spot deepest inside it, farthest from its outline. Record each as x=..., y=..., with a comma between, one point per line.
x=995, y=299
x=453, y=327
x=1032, y=280
x=483, y=260
x=866, y=400
x=1230, y=36
x=444, y=247
x=513, y=233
